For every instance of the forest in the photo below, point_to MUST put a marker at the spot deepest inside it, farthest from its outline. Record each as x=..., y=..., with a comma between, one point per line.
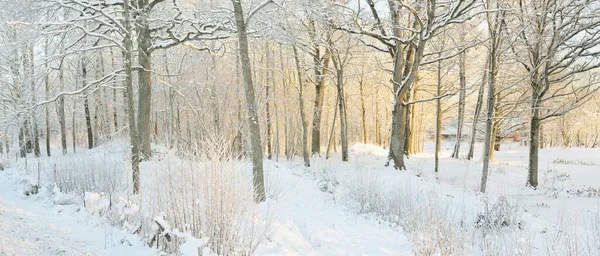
x=460, y=127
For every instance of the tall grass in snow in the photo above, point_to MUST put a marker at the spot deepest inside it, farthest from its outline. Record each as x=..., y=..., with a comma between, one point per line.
x=210, y=196
x=207, y=193
x=434, y=226
x=461, y=224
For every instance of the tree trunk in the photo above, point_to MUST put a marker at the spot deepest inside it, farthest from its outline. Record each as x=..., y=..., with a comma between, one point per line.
x=411, y=131
x=275, y=110
x=542, y=142
x=31, y=73
x=332, y=131
x=170, y=118
x=237, y=139
x=534, y=140
x=461, y=104
x=397, y=137
x=342, y=110
x=257, y=153
x=214, y=97
x=135, y=154
x=23, y=136
x=305, y=153
x=73, y=112
x=316, y=124
x=144, y=82
x=363, y=112
x=489, y=119
x=99, y=109
x=409, y=124
x=406, y=65
x=286, y=120
x=377, y=124
x=36, y=137
x=74, y=129
x=61, y=109
x=47, y=107
x=321, y=70
x=477, y=112
x=115, y=115
x=495, y=143
x=438, y=116
x=267, y=101
x=86, y=107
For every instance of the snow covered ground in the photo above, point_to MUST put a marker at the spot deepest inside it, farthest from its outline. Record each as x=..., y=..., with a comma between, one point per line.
x=34, y=225
x=337, y=208
x=310, y=221
x=443, y=213
x=561, y=217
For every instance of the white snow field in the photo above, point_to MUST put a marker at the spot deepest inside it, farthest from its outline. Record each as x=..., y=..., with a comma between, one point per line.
x=35, y=226
x=330, y=208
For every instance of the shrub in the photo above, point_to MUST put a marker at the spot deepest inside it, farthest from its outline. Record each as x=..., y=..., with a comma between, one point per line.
x=498, y=215
x=209, y=196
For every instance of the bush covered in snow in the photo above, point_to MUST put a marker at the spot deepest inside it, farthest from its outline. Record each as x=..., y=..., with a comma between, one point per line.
x=498, y=215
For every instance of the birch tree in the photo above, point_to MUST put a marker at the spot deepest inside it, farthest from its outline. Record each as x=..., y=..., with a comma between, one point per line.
x=496, y=27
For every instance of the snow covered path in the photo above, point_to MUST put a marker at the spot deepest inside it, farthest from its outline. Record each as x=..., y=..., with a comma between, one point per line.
x=309, y=221
x=33, y=226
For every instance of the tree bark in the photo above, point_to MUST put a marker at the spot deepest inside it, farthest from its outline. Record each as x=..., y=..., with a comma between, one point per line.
x=35, y=138
x=214, y=97
x=363, y=111
x=286, y=121
x=438, y=116
x=24, y=144
x=305, y=153
x=405, y=70
x=135, y=154
x=257, y=153
x=100, y=112
x=534, y=141
x=477, y=112
x=275, y=110
x=489, y=118
x=398, y=128
x=74, y=128
x=267, y=101
x=542, y=141
x=61, y=109
x=237, y=139
x=342, y=110
x=332, y=131
x=115, y=115
x=144, y=82
x=47, y=107
x=86, y=107
x=321, y=68
x=461, y=103
x=377, y=124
